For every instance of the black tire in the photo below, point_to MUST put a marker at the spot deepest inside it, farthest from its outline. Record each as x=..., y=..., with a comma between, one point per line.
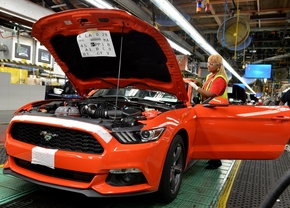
x=172, y=171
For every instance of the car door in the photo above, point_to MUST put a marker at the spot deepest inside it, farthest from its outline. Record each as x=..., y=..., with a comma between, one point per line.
x=240, y=132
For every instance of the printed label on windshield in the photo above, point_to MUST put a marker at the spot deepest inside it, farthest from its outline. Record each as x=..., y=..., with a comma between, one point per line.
x=96, y=43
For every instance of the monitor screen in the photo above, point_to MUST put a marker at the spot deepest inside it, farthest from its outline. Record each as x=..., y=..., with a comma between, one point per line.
x=240, y=85
x=258, y=71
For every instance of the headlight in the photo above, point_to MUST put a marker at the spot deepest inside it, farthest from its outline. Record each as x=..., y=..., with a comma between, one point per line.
x=133, y=137
x=151, y=135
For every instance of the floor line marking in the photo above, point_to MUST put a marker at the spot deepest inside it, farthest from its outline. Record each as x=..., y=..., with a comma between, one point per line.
x=228, y=186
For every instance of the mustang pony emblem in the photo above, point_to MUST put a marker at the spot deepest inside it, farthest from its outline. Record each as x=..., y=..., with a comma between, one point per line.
x=47, y=136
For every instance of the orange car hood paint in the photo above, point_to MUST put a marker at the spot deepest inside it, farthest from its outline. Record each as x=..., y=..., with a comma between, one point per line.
x=96, y=47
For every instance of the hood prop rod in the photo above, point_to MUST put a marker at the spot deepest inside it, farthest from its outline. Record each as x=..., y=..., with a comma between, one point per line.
x=119, y=71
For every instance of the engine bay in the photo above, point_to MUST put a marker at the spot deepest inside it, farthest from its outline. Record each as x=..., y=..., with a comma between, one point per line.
x=105, y=111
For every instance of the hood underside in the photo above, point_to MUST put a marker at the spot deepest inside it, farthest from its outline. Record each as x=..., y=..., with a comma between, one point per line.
x=100, y=48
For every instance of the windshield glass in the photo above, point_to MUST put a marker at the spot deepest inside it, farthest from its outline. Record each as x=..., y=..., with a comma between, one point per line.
x=135, y=93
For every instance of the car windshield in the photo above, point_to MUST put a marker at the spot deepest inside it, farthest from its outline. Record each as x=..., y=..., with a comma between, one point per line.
x=130, y=92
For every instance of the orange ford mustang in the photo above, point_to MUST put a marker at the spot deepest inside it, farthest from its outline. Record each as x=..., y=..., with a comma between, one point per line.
x=139, y=129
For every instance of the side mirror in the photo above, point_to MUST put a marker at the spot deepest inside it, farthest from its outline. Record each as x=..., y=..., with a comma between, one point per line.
x=216, y=101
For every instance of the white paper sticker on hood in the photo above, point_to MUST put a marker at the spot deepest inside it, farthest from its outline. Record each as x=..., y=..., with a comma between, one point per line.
x=96, y=43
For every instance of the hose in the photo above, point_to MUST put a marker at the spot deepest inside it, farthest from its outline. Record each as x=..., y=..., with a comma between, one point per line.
x=276, y=191
x=237, y=31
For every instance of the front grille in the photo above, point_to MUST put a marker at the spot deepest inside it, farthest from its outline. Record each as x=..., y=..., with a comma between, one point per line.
x=56, y=172
x=56, y=138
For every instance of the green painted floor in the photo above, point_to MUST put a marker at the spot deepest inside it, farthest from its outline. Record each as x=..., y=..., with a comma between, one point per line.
x=12, y=188
x=200, y=188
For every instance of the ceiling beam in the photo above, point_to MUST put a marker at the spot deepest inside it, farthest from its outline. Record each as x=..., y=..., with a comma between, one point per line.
x=212, y=2
x=279, y=57
x=243, y=12
x=258, y=8
x=255, y=29
x=218, y=21
x=214, y=27
x=269, y=16
x=23, y=10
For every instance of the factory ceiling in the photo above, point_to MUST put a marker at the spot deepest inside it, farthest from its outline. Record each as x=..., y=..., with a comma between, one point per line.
x=260, y=25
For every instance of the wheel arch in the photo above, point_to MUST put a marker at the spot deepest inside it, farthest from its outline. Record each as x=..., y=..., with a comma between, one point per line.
x=183, y=133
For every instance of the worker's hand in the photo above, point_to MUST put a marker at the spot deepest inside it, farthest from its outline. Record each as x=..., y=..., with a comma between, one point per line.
x=187, y=80
x=192, y=83
x=194, y=86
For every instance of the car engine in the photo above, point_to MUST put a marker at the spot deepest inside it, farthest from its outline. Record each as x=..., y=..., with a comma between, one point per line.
x=104, y=112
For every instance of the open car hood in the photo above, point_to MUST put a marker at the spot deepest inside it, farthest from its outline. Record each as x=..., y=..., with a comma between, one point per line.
x=101, y=48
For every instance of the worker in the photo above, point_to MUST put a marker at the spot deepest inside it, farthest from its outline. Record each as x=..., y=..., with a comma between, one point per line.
x=215, y=85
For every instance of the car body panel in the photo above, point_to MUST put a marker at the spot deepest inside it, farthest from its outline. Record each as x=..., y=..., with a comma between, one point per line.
x=241, y=131
x=150, y=60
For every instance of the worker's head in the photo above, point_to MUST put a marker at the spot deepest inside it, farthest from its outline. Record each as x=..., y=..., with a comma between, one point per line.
x=215, y=65
x=214, y=62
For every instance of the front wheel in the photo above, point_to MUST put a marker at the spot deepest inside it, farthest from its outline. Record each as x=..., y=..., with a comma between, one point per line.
x=172, y=171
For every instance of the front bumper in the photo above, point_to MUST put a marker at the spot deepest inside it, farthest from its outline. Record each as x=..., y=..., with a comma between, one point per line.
x=147, y=157
x=87, y=192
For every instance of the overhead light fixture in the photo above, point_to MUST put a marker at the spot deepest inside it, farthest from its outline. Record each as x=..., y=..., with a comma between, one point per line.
x=17, y=16
x=178, y=48
x=100, y=4
x=24, y=26
x=179, y=19
x=252, y=51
